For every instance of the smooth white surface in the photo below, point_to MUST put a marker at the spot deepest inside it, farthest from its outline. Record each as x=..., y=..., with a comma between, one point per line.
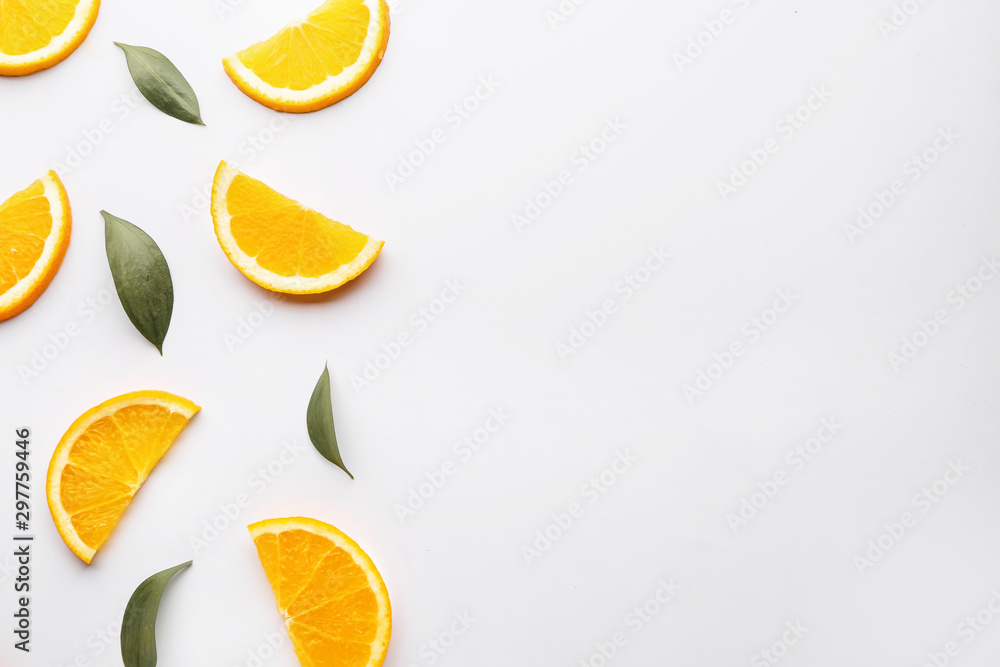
x=495, y=346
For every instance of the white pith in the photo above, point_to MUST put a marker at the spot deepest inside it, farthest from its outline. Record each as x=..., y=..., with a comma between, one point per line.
x=334, y=84
x=342, y=541
x=61, y=457
x=53, y=193
x=76, y=25
x=249, y=266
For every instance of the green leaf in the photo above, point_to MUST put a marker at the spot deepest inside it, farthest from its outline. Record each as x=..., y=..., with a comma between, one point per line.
x=319, y=421
x=161, y=83
x=138, y=635
x=142, y=278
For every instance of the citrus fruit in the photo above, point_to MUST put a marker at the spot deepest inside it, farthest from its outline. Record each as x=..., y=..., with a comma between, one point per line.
x=280, y=244
x=334, y=601
x=34, y=233
x=104, y=458
x=37, y=34
x=317, y=60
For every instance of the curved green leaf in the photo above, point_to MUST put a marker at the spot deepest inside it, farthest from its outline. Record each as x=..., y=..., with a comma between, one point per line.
x=161, y=83
x=142, y=278
x=138, y=636
x=319, y=421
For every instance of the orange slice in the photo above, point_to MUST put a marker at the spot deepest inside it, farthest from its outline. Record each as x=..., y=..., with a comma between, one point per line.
x=34, y=234
x=334, y=601
x=280, y=244
x=104, y=458
x=35, y=35
x=317, y=60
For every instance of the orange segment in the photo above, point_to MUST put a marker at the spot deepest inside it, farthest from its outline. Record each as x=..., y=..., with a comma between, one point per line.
x=270, y=558
x=101, y=451
x=82, y=489
x=103, y=460
x=34, y=234
x=147, y=433
x=337, y=578
x=294, y=573
x=280, y=244
x=320, y=46
x=30, y=26
x=270, y=227
x=333, y=599
x=317, y=60
x=93, y=526
x=348, y=617
x=326, y=651
x=37, y=35
x=27, y=223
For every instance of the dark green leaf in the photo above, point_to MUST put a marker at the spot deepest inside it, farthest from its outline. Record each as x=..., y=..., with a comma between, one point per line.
x=138, y=634
x=142, y=278
x=319, y=421
x=161, y=83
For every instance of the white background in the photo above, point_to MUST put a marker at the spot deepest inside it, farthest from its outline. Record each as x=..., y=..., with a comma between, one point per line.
x=496, y=345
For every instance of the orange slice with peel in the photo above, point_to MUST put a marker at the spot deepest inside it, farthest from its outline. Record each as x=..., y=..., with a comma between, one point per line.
x=104, y=458
x=333, y=599
x=317, y=60
x=35, y=35
x=280, y=244
x=34, y=234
